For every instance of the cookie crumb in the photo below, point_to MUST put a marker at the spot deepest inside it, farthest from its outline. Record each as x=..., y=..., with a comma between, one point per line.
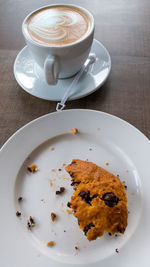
x=18, y=213
x=64, y=231
x=53, y=216
x=118, y=175
x=58, y=192
x=74, y=131
x=52, y=170
x=124, y=183
x=20, y=199
x=50, y=244
x=30, y=222
x=32, y=168
x=51, y=148
x=69, y=212
x=90, y=149
x=76, y=247
x=117, y=250
x=59, y=170
x=107, y=163
x=69, y=205
x=50, y=183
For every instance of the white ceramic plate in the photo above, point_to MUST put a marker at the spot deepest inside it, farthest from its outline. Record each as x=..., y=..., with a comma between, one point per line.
x=31, y=78
x=102, y=138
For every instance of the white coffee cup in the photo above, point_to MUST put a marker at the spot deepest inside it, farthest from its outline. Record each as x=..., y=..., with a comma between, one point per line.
x=60, y=61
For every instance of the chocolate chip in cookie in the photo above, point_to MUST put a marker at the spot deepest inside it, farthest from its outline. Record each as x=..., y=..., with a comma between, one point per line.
x=110, y=199
x=86, y=196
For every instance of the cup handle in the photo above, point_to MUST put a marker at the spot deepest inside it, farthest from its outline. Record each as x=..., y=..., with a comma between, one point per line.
x=51, y=69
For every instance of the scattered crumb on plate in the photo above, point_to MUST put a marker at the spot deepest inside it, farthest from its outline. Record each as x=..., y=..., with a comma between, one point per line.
x=74, y=130
x=18, y=213
x=50, y=244
x=50, y=182
x=53, y=216
x=60, y=191
x=32, y=168
x=69, y=211
x=20, y=199
x=30, y=222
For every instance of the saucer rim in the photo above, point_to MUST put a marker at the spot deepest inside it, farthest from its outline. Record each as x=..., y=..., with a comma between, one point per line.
x=75, y=96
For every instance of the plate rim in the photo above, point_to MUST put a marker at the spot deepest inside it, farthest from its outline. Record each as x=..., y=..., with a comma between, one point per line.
x=66, y=111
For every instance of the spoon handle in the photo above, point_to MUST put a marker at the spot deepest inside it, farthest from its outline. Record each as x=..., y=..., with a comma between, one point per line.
x=61, y=105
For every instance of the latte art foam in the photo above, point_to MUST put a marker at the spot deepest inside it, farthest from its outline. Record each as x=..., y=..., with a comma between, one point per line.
x=58, y=25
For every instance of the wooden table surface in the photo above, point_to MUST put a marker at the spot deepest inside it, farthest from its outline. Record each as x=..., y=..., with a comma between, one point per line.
x=123, y=26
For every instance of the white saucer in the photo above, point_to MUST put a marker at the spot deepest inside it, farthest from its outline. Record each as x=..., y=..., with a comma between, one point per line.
x=30, y=77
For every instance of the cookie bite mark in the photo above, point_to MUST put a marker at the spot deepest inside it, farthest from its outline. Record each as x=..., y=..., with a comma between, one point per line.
x=86, y=196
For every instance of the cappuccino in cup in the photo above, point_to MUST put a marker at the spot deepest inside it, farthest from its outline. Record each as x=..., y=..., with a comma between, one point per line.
x=58, y=25
x=59, y=38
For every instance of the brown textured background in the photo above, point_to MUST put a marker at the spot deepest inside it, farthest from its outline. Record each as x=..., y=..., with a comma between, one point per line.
x=122, y=26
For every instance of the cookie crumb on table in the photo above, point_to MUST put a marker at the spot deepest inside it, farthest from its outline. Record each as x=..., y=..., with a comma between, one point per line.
x=76, y=248
x=50, y=244
x=18, y=213
x=117, y=250
x=53, y=216
x=32, y=168
x=51, y=148
x=74, y=130
x=107, y=163
x=58, y=192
